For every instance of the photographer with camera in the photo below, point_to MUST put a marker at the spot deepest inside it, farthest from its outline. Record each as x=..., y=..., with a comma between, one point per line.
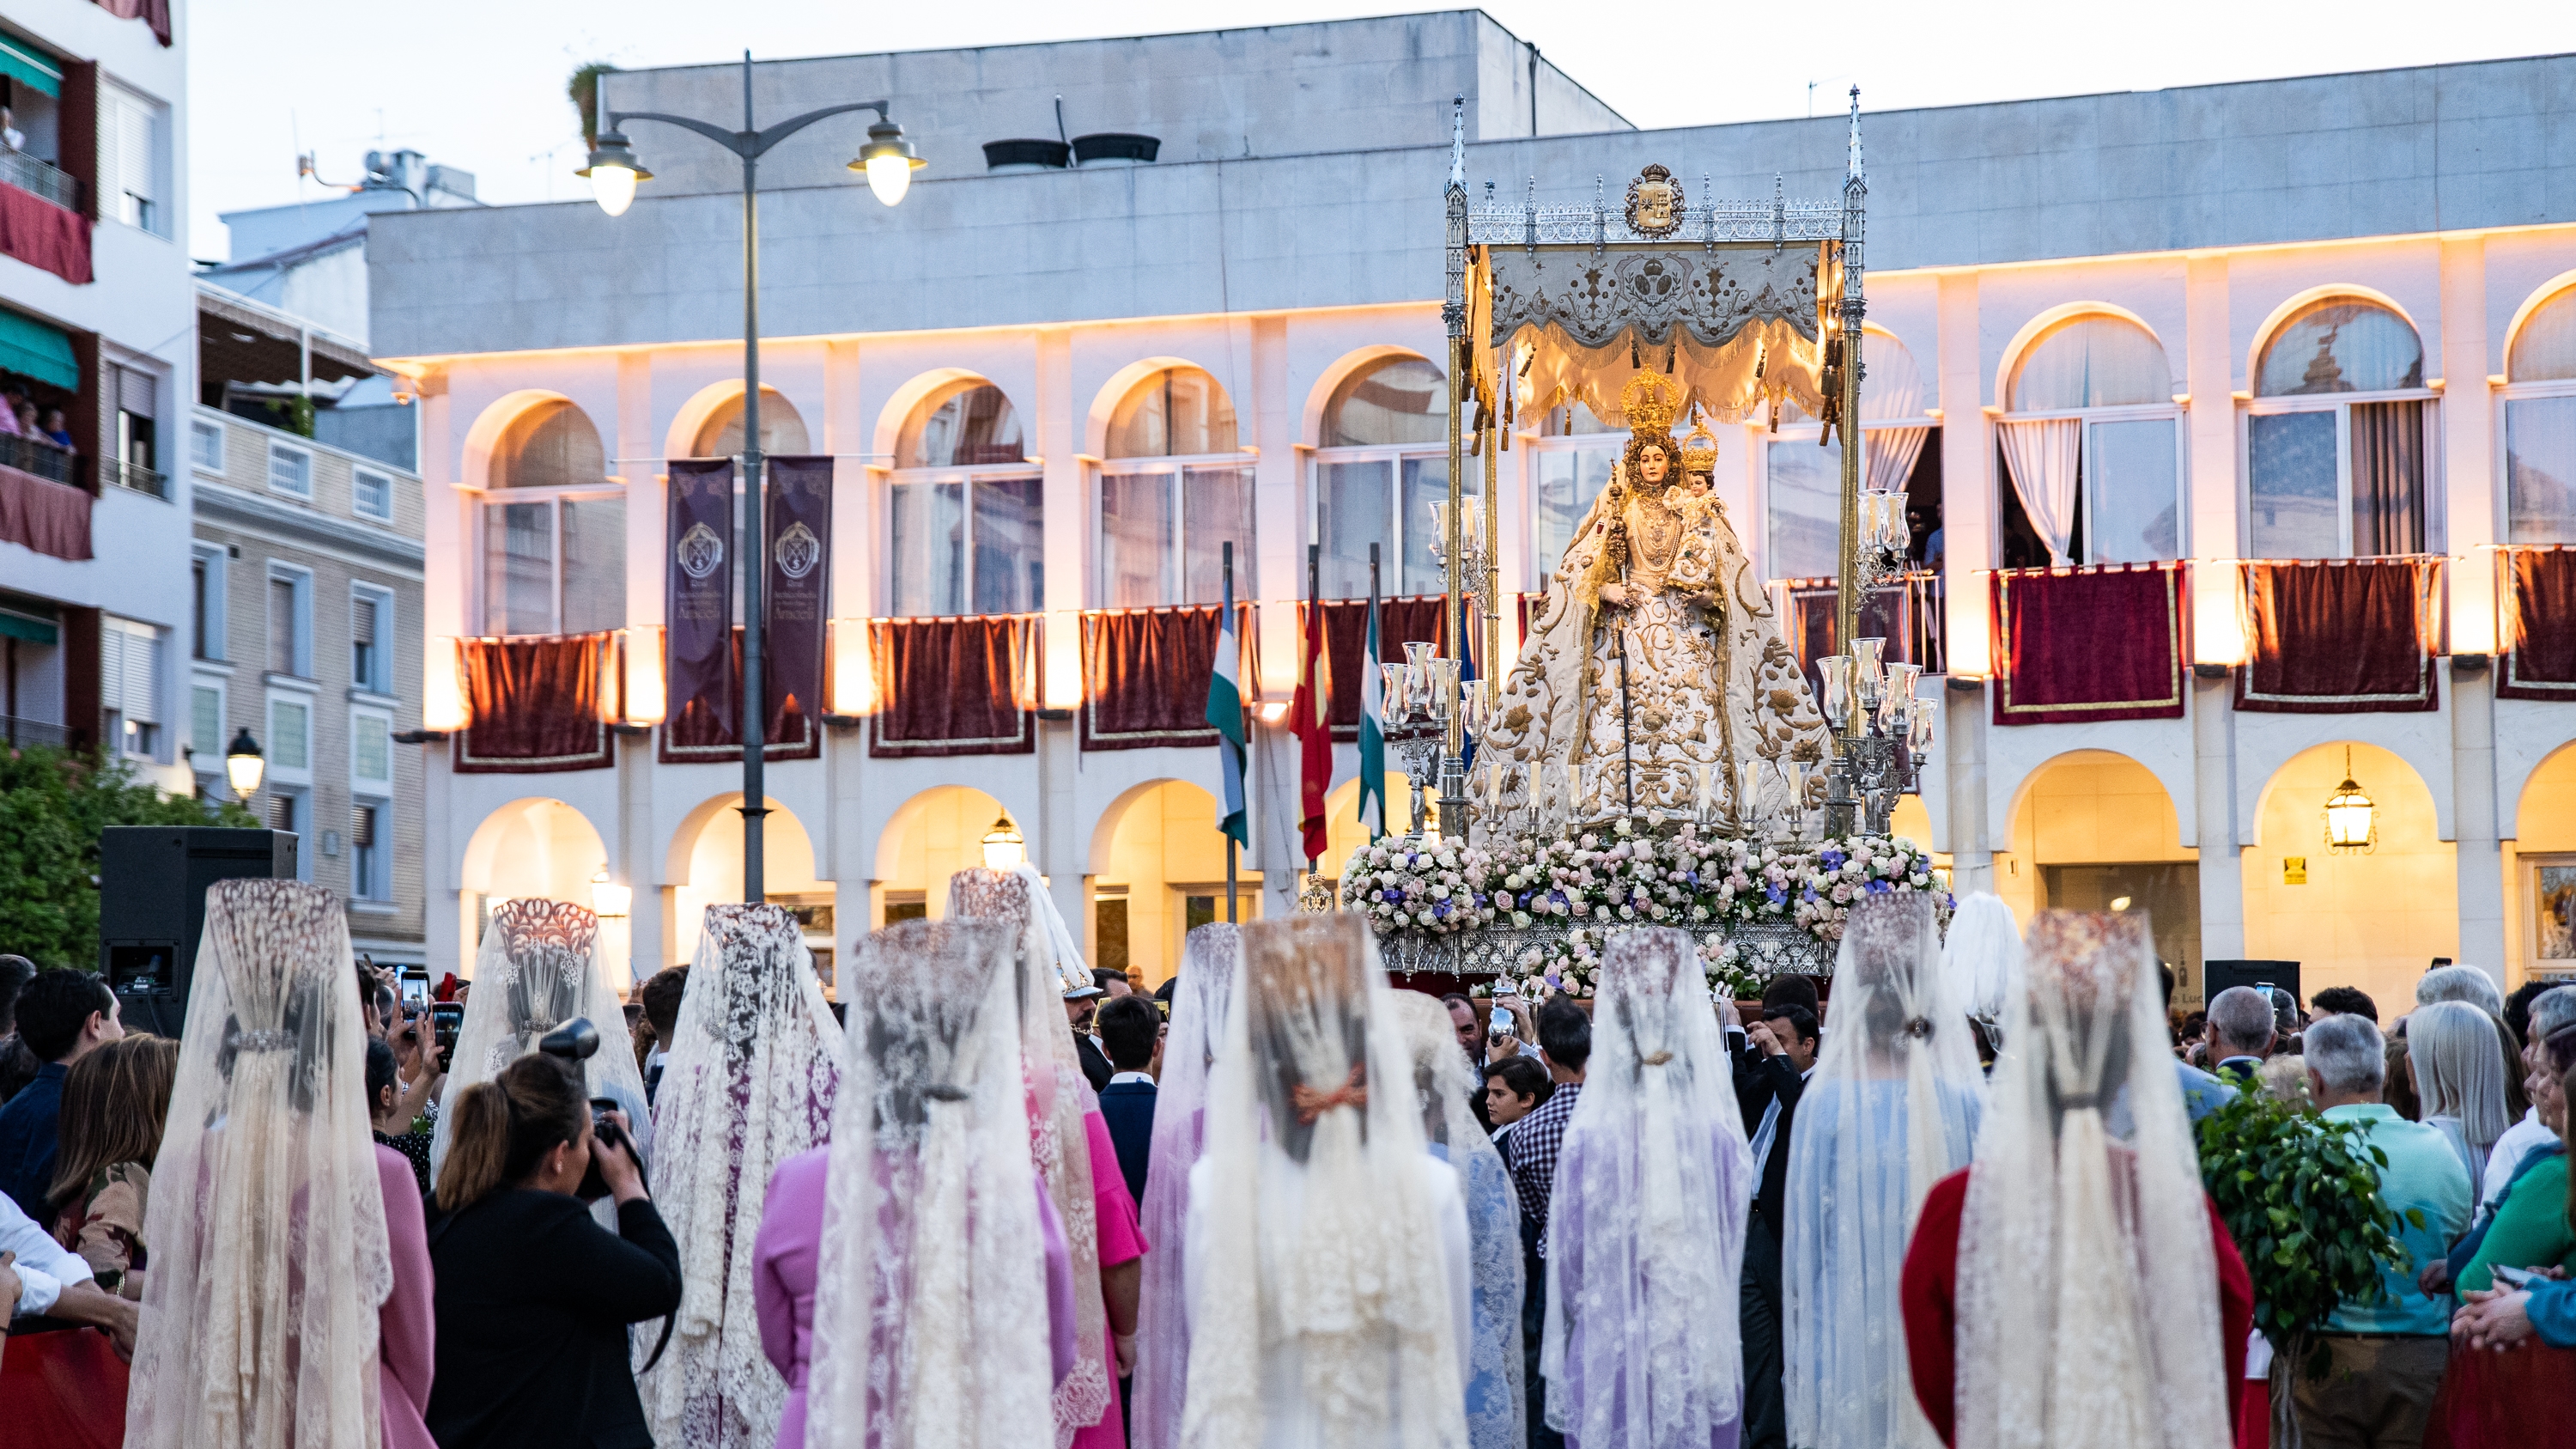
x=534, y=1298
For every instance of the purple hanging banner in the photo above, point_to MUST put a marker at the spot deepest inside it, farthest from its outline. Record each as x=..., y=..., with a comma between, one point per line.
x=798, y=518
x=702, y=670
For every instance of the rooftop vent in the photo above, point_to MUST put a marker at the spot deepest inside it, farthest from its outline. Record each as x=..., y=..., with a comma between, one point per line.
x=1008, y=156
x=1115, y=148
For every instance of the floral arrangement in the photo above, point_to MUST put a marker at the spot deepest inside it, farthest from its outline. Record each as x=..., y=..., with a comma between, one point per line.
x=1621, y=876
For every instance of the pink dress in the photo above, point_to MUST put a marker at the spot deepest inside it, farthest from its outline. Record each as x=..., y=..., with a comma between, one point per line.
x=405, y=1326
x=789, y=1250
x=1121, y=1241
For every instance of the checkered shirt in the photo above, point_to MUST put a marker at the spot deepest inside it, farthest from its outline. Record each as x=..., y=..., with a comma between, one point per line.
x=1536, y=1140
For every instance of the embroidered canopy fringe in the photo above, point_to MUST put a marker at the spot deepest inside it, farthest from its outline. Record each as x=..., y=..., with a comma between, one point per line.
x=1145, y=675
x=1734, y=325
x=2104, y=643
x=2341, y=636
x=957, y=686
x=2537, y=588
x=535, y=706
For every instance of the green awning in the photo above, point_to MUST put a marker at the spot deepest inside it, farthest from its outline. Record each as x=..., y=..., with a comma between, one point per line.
x=34, y=631
x=36, y=350
x=30, y=67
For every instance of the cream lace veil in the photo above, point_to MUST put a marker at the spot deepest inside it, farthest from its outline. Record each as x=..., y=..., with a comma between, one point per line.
x=1211, y=966
x=537, y=969
x=1892, y=1108
x=269, y=1260
x=1651, y=1191
x=930, y=1306
x=2088, y=1301
x=1443, y=1080
x=754, y=1062
x=1315, y=1249
x=1045, y=965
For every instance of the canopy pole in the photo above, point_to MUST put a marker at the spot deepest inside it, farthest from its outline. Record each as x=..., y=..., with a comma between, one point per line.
x=1850, y=586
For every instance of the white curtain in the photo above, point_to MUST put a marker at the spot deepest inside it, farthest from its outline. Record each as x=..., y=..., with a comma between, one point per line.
x=2042, y=458
x=1888, y=454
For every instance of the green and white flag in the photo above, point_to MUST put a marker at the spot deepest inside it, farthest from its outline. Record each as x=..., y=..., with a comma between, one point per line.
x=1372, y=734
x=1225, y=711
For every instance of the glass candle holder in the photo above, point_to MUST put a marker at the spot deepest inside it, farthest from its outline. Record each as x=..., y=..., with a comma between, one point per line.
x=1835, y=670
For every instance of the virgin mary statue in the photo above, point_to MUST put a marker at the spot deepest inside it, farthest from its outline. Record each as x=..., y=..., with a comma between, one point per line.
x=1655, y=679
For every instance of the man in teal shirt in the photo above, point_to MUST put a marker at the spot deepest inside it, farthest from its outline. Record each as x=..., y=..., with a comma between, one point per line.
x=2388, y=1352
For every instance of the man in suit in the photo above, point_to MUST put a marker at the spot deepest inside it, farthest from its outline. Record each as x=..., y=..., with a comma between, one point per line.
x=1773, y=1059
x=1081, y=1006
x=1128, y=1028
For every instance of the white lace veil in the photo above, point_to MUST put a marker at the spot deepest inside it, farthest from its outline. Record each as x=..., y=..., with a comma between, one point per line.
x=755, y=1059
x=1983, y=956
x=1444, y=1081
x=537, y=969
x=1211, y=966
x=1045, y=965
x=2088, y=1299
x=269, y=1261
x=1892, y=1108
x=930, y=1307
x=1316, y=1272
x=1652, y=1185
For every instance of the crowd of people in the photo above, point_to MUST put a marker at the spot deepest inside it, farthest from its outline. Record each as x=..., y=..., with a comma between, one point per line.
x=998, y=1198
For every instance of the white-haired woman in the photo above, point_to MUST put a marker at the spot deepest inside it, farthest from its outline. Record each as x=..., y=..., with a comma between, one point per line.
x=2451, y=1053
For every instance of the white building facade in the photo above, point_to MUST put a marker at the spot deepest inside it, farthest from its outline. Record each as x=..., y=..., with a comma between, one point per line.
x=1101, y=371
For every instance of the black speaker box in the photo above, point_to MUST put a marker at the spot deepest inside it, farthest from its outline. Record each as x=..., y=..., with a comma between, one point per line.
x=2220, y=975
x=152, y=882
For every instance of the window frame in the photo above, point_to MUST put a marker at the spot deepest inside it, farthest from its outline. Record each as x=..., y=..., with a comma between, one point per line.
x=279, y=447
x=2506, y=396
x=2341, y=404
x=1394, y=456
x=364, y=889
x=965, y=477
x=2088, y=492
x=1806, y=432
x=1176, y=552
x=209, y=616
x=207, y=760
x=1534, y=447
x=379, y=682
x=485, y=499
x=357, y=475
x=371, y=785
x=278, y=771
x=301, y=647
x=202, y=428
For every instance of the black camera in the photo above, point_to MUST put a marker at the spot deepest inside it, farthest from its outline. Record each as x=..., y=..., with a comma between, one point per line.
x=573, y=1043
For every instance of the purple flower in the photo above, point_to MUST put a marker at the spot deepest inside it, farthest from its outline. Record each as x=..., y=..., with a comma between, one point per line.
x=1777, y=895
x=1879, y=887
x=1810, y=894
x=1834, y=859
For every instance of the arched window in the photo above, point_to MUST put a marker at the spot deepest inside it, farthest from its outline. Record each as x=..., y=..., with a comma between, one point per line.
x=1569, y=464
x=966, y=526
x=1173, y=492
x=1384, y=459
x=1802, y=481
x=554, y=550
x=2336, y=444
x=2090, y=447
x=2540, y=425
x=782, y=429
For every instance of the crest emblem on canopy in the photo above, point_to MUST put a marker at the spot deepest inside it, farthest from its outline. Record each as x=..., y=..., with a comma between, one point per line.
x=797, y=551
x=1655, y=203
x=700, y=552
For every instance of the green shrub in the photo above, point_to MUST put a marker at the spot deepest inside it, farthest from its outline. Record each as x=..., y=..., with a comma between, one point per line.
x=53, y=804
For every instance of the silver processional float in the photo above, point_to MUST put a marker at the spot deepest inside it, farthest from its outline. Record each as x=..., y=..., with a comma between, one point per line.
x=1738, y=802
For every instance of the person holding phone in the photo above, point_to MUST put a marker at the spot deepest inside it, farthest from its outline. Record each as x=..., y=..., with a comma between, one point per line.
x=534, y=1298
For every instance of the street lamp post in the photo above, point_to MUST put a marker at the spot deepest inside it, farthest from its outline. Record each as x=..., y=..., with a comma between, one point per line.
x=888, y=162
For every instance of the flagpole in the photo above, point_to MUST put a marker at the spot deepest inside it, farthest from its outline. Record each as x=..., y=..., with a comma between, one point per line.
x=1226, y=556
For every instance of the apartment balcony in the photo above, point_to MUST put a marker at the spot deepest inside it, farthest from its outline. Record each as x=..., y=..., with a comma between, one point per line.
x=41, y=178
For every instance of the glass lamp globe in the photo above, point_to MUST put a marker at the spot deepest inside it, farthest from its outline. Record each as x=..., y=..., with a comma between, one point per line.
x=243, y=765
x=888, y=162
x=613, y=172
x=609, y=900
x=2352, y=820
x=1004, y=847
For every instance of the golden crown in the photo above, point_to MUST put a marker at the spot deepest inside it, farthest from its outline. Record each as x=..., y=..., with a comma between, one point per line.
x=1650, y=402
x=1699, y=450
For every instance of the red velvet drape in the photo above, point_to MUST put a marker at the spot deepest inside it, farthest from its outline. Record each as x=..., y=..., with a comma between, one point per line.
x=1145, y=675
x=536, y=706
x=957, y=686
x=41, y=234
x=1346, y=627
x=154, y=13
x=2074, y=646
x=2340, y=636
x=51, y=518
x=2539, y=602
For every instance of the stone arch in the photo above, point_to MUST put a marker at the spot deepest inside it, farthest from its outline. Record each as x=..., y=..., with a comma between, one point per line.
x=492, y=425
x=1158, y=841
x=1104, y=403
x=2040, y=324
x=2299, y=301
x=2370, y=920
x=715, y=398
x=1310, y=423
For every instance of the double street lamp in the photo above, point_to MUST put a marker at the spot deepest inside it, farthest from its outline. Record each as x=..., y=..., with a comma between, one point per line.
x=888, y=162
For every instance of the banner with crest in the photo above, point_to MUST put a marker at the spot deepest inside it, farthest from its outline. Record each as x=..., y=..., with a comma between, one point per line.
x=798, y=518
x=705, y=713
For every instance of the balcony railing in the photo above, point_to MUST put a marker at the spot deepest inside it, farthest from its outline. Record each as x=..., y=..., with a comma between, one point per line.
x=134, y=476
x=35, y=455
x=31, y=732
x=40, y=177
